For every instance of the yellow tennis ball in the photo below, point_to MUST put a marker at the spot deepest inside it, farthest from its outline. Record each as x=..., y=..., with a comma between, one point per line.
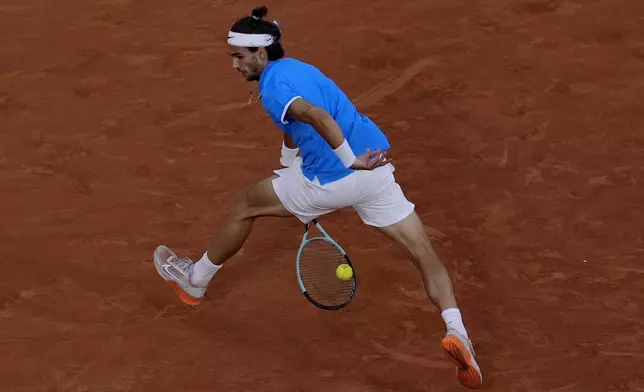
x=344, y=272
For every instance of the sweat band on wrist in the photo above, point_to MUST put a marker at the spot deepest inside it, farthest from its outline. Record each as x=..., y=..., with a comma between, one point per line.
x=345, y=154
x=288, y=155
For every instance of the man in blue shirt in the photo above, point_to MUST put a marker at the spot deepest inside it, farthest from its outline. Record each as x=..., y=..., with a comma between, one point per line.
x=342, y=162
x=285, y=80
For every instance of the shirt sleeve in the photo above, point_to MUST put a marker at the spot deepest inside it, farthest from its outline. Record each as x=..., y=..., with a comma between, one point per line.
x=277, y=100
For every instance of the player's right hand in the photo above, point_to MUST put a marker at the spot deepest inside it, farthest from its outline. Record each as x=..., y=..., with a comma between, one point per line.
x=370, y=160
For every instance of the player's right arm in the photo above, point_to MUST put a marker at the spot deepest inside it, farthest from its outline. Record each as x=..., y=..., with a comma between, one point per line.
x=328, y=128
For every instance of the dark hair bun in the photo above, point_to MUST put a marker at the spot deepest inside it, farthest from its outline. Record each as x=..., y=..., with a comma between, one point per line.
x=260, y=12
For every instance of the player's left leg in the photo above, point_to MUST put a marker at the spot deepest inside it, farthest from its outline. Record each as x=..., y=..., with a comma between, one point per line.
x=385, y=207
x=190, y=279
x=286, y=194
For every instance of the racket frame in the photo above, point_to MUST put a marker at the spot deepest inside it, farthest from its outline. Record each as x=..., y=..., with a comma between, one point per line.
x=325, y=237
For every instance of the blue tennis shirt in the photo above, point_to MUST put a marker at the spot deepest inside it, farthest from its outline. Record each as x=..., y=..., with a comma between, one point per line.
x=283, y=81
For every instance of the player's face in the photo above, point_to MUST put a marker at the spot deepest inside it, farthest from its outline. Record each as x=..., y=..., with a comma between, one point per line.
x=249, y=64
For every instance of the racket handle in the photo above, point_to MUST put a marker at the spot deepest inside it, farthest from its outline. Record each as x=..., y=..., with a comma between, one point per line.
x=306, y=225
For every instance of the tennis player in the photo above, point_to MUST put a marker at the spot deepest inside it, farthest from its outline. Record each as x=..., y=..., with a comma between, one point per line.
x=342, y=162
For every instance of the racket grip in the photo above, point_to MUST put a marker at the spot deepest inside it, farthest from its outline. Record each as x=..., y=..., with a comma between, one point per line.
x=306, y=225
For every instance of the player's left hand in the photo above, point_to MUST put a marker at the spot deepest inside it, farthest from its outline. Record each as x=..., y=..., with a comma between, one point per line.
x=371, y=160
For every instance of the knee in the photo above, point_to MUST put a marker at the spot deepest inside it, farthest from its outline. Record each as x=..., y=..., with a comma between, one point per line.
x=240, y=208
x=424, y=256
x=421, y=253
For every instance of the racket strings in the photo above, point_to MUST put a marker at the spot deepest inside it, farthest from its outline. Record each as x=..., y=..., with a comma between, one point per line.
x=318, y=263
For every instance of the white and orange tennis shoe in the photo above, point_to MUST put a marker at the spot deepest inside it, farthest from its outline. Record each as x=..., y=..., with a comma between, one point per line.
x=176, y=272
x=459, y=349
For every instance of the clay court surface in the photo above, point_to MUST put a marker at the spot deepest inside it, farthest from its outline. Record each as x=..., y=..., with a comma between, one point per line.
x=517, y=129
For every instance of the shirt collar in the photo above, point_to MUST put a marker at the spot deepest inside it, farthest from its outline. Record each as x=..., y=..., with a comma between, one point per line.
x=264, y=75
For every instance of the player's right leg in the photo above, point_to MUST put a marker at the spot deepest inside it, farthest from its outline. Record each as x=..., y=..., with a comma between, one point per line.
x=385, y=207
x=409, y=234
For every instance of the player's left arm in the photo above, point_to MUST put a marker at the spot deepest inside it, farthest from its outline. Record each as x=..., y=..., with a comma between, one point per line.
x=328, y=128
x=289, y=151
x=288, y=142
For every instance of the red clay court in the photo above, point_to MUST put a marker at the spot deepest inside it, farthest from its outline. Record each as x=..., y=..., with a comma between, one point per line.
x=518, y=130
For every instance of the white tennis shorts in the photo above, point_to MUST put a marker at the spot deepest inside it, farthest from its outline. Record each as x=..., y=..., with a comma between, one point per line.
x=373, y=194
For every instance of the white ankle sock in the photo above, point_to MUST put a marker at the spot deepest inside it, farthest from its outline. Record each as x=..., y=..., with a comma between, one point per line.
x=203, y=271
x=453, y=320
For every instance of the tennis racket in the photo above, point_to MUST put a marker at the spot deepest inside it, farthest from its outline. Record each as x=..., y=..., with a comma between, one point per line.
x=317, y=261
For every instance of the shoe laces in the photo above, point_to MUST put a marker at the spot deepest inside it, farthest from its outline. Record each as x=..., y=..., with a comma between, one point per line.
x=182, y=264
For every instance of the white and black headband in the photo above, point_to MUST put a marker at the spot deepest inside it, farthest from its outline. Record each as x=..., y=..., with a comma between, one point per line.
x=249, y=40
